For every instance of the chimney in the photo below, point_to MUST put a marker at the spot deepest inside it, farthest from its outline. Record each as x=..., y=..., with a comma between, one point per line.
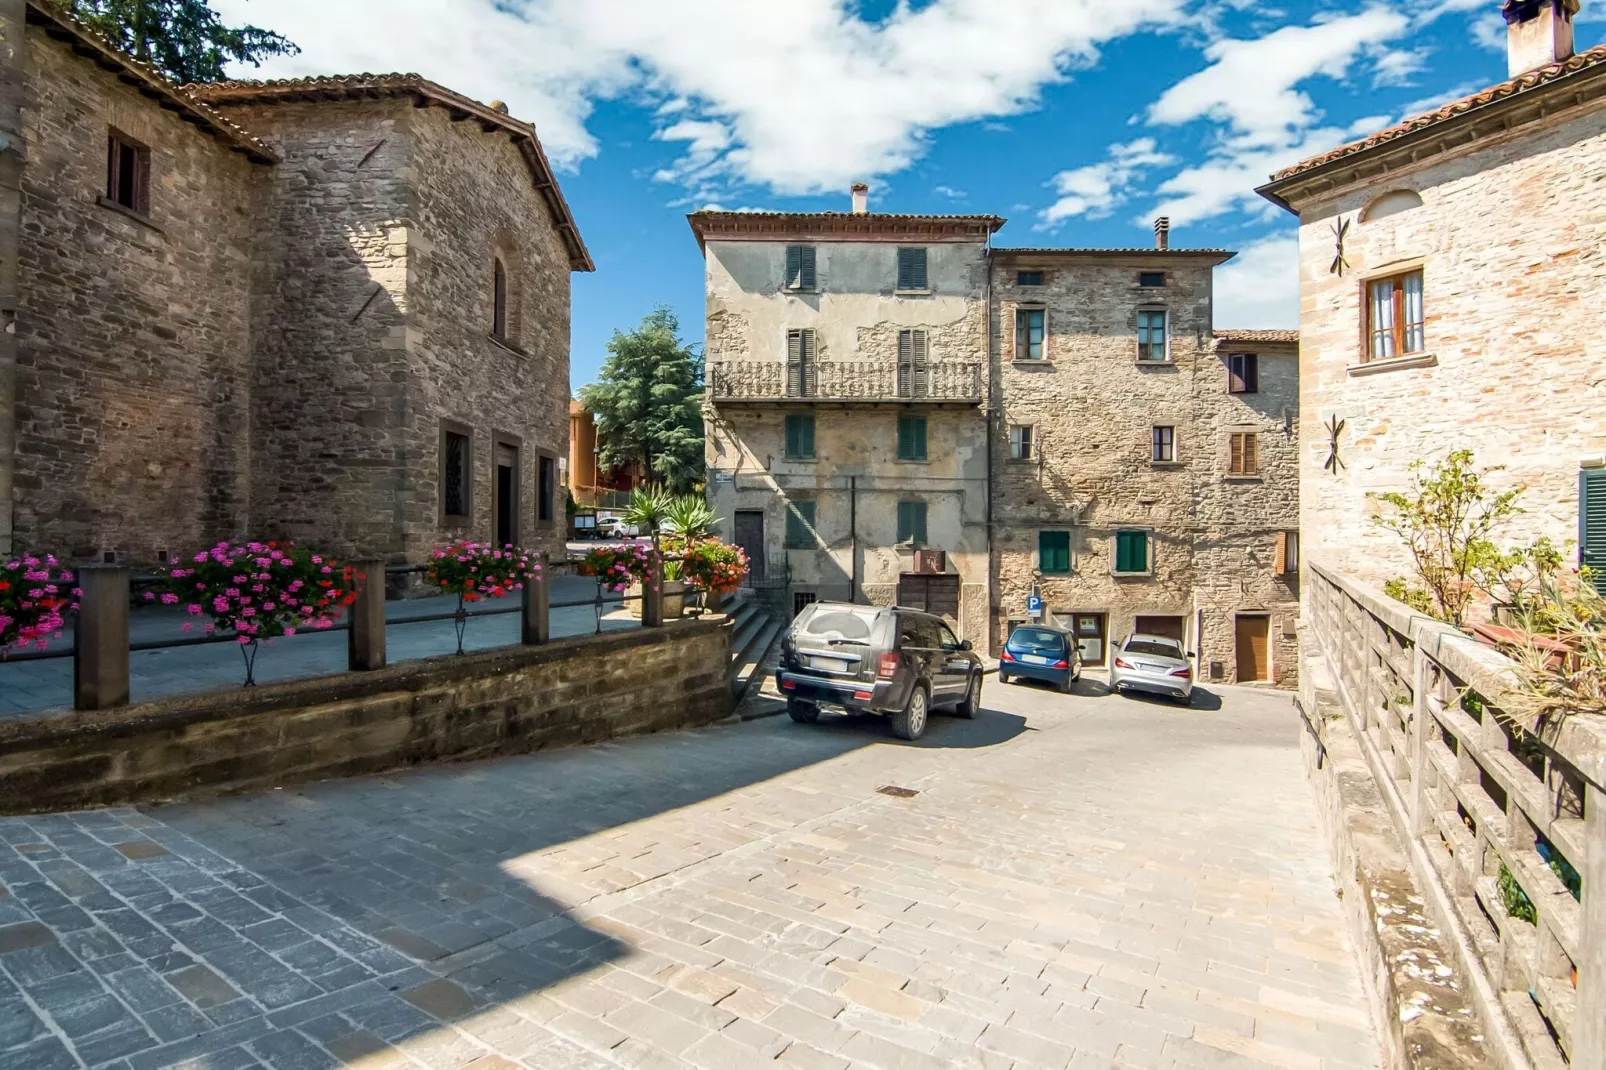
x=861, y=198
x=1538, y=32
x=1162, y=232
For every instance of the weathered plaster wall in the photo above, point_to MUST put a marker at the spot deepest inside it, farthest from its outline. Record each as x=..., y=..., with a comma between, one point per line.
x=1511, y=237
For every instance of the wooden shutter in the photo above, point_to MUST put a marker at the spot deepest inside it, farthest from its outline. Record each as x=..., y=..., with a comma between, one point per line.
x=1280, y=554
x=911, y=269
x=906, y=349
x=794, y=363
x=811, y=365
x=794, y=266
x=919, y=347
x=1235, y=464
x=1592, y=523
x=1054, y=551
x=1251, y=451
x=805, y=276
x=1131, y=551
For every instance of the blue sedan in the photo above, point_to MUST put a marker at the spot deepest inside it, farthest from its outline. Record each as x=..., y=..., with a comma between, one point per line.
x=1040, y=652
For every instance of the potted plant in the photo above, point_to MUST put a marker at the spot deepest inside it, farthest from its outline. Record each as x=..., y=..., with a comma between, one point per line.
x=475, y=571
x=619, y=568
x=649, y=511
x=715, y=569
x=262, y=590
x=36, y=595
x=687, y=519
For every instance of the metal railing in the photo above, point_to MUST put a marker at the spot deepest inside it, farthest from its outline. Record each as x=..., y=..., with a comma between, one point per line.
x=861, y=380
x=1506, y=827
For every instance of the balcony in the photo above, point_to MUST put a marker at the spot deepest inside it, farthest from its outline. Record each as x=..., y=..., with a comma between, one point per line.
x=944, y=383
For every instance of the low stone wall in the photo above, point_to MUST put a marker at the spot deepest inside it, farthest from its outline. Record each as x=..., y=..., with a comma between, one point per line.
x=507, y=701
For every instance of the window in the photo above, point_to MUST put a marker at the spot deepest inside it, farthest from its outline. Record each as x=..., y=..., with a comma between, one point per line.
x=1286, y=559
x=1244, y=459
x=1020, y=442
x=912, y=522
x=912, y=269
x=800, y=267
x=1029, y=333
x=1592, y=523
x=911, y=438
x=498, y=300
x=1028, y=278
x=799, y=437
x=1054, y=552
x=1394, y=316
x=1243, y=373
x=801, y=599
x=1151, y=335
x=547, y=475
x=800, y=525
x=1131, y=551
x=1165, y=444
x=802, y=377
x=456, y=473
x=913, y=350
x=1151, y=278
x=128, y=173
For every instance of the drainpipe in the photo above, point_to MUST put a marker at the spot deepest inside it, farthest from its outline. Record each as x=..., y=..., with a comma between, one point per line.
x=13, y=154
x=853, y=538
x=987, y=425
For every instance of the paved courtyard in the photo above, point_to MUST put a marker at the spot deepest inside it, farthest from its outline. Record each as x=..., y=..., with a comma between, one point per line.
x=1080, y=881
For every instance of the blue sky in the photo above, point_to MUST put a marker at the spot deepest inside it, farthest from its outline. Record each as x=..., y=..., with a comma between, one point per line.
x=1077, y=120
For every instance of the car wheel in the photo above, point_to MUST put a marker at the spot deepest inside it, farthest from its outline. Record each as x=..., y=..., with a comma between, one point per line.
x=1003, y=677
x=910, y=722
x=970, y=705
x=1065, y=684
x=802, y=712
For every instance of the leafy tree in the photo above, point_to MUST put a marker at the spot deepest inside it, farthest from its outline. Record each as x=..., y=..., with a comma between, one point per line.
x=648, y=403
x=184, y=39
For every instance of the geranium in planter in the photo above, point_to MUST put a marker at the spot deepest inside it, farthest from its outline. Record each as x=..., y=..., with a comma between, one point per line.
x=475, y=571
x=617, y=567
x=714, y=568
x=262, y=590
x=36, y=595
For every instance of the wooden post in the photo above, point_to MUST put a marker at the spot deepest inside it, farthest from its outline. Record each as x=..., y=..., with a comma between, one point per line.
x=536, y=621
x=1589, y=1018
x=100, y=638
x=365, y=641
x=1422, y=721
x=652, y=593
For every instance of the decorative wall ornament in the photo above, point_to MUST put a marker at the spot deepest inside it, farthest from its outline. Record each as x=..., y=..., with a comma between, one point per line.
x=1340, y=232
x=1335, y=427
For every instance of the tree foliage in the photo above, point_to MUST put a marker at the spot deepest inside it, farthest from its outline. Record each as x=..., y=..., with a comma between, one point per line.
x=184, y=39
x=648, y=403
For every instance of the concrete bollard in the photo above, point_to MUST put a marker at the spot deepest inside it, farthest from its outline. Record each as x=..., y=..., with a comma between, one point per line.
x=365, y=640
x=536, y=620
x=652, y=593
x=100, y=638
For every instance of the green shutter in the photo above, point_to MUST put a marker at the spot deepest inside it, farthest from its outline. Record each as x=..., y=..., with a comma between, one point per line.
x=1131, y=551
x=800, y=525
x=912, y=522
x=911, y=269
x=911, y=438
x=1054, y=551
x=1592, y=523
x=805, y=275
x=799, y=437
x=794, y=266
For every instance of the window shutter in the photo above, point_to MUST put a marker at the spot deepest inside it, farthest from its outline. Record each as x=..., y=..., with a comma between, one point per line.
x=920, y=522
x=905, y=525
x=806, y=436
x=1022, y=327
x=794, y=363
x=1592, y=523
x=918, y=347
x=805, y=275
x=906, y=349
x=811, y=383
x=911, y=269
x=794, y=266
x=791, y=436
x=1235, y=374
x=1251, y=460
x=1236, y=464
x=1280, y=554
x=1251, y=373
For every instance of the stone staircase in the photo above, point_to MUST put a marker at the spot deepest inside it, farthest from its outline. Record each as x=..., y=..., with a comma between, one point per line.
x=754, y=633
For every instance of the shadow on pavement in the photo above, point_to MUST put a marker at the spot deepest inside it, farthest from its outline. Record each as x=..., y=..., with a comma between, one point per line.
x=987, y=729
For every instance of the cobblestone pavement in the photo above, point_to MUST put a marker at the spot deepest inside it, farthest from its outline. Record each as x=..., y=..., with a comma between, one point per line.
x=1081, y=881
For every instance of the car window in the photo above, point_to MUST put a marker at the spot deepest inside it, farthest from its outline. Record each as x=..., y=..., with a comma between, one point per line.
x=915, y=631
x=1050, y=642
x=839, y=622
x=1152, y=649
x=946, y=638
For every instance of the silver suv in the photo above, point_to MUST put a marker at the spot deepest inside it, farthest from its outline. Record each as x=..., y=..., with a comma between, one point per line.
x=900, y=663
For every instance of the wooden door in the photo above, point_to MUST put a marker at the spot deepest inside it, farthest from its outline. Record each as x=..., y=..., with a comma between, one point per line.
x=937, y=594
x=1252, y=634
x=749, y=535
x=1168, y=627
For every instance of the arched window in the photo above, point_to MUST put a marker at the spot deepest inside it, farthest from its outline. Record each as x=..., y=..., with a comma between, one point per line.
x=499, y=300
x=1396, y=200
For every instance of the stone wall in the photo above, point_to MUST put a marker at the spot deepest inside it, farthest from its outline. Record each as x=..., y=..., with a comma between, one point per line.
x=1509, y=236
x=133, y=385
x=508, y=701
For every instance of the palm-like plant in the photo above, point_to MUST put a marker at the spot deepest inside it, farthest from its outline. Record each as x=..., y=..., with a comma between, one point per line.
x=690, y=517
x=648, y=508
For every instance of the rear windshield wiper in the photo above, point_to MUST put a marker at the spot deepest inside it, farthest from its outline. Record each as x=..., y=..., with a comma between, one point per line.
x=855, y=642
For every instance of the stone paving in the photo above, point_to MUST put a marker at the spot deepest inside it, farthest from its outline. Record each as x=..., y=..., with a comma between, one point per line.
x=1081, y=881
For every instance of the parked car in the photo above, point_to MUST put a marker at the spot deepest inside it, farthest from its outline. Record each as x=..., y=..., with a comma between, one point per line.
x=1043, y=652
x=613, y=527
x=900, y=663
x=1153, y=664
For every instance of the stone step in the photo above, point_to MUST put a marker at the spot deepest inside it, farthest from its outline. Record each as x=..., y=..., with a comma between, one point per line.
x=749, y=667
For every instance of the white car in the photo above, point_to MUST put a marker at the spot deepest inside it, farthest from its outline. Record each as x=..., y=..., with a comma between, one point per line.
x=615, y=528
x=1152, y=664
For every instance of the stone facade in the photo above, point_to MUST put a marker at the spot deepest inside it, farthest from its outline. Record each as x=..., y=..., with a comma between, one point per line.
x=275, y=342
x=1092, y=408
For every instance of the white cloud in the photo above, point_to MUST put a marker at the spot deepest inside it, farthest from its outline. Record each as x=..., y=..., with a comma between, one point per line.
x=1489, y=31
x=1098, y=189
x=949, y=192
x=1259, y=288
x=810, y=96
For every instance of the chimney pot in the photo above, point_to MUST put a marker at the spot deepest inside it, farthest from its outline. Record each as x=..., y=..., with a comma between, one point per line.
x=498, y=106
x=1162, y=232
x=861, y=198
x=1538, y=33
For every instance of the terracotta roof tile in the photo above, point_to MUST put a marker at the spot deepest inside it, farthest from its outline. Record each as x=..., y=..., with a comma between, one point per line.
x=1245, y=337
x=1096, y=251
x=1509, y=88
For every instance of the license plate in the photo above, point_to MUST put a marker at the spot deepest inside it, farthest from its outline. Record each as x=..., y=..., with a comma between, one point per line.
x=828, y=664
x=1034, y=659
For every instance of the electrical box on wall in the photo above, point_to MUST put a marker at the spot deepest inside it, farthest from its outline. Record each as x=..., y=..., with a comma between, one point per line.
x=931, y=562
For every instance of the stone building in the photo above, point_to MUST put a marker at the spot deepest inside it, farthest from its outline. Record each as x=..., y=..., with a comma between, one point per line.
x=1143, y=465
x=846, y=404
x=1451, y=273
x=332, y=309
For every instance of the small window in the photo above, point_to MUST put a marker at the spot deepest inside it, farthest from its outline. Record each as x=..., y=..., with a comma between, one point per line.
x=911, y=438
x=456, y=474
x=1132, y=551
x=912, y=270
x=1054, y=552
x=1592, y=523
x=799, y=437
x=800, y=267
x=1151, y=278
x=1243, y=373
x=1394, y=316
x=913, y=351
x=802, y=375
x=545, y=502
x=1020, y=442
x=498, y=300
x=802, y=599
x=128, y=173
x=1029, y=330
x=1244, y=459
x=800, y=526
x=1164, y=444
x=1028, y=278
x=912, y=523
x=1151, y=335
x=1286, y=557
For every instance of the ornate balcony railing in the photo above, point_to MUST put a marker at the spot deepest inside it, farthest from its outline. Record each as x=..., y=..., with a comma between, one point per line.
x=849, y=380
x=1481, y=802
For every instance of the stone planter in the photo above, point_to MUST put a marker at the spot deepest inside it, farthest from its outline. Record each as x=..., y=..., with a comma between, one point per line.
x=674, y=599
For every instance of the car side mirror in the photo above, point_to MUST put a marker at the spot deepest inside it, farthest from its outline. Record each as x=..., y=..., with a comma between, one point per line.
x=1191, y=654
x=964, y=644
